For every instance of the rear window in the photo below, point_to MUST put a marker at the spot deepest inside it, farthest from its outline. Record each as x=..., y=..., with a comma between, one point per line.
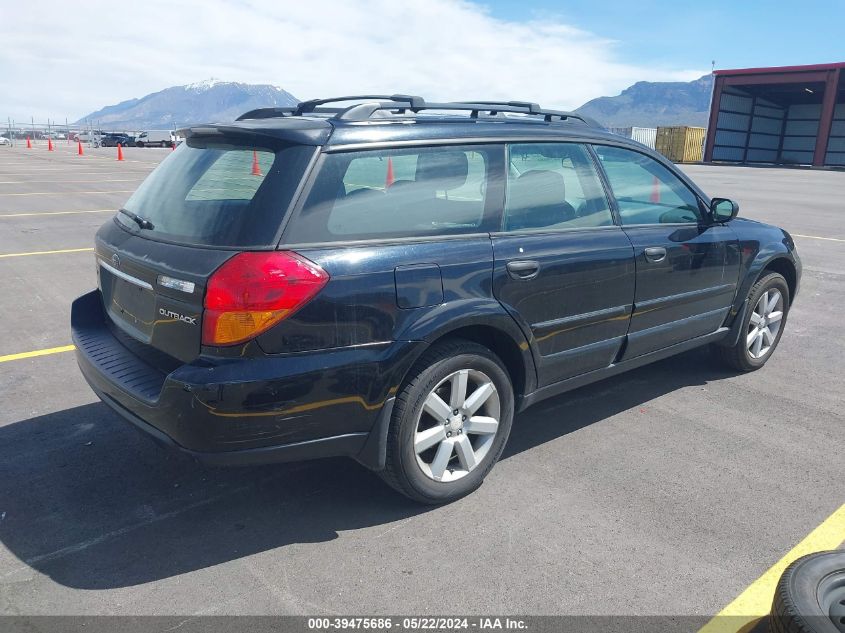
x=219, y=194
x=393, y=193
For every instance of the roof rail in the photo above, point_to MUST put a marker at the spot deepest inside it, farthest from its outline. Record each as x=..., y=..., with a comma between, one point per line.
x=534, y=108
x=410, y=101
x=267, y=113
x=363, y=111
x=369, y=105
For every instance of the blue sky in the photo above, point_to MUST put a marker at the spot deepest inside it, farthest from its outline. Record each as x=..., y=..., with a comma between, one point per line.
x=736, y=34
x=558, y=53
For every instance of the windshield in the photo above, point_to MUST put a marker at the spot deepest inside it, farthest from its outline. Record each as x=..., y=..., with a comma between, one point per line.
x=218, y=193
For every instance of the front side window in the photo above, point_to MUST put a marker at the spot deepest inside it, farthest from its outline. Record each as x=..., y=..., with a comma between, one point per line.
x=553, y=186
x=646, y=191
x=391, y=193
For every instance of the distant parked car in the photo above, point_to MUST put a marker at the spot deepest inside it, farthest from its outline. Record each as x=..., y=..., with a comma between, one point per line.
x=111, y=140
x=90, y=136
x=155, y=138
x=5, y=141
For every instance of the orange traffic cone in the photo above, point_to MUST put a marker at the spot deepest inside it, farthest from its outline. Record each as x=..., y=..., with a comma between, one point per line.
x=119, y=152
x=49, y=144
x=28, y=143
x=79, y=151
x=172, y=146
x=256, y=170
x=388, y=178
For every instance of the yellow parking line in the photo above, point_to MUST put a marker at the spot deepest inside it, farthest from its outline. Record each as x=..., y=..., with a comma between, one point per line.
x=38, y=352
x=63, y=193
x=756, y=601
x=31, y=213
x=66, y=250
x=816, y=237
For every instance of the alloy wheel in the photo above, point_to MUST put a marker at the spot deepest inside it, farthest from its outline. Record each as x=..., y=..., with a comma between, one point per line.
x=765, y=323
x=457, y=425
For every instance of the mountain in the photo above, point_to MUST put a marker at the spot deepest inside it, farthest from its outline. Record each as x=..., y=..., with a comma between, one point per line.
x=649, y=104
x=207, y=101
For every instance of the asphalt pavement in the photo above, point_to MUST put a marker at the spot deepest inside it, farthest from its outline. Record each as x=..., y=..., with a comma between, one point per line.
x=664, y=491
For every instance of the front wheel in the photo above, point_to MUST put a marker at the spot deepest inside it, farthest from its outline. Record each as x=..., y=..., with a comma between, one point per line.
x=450, y=423
x=765, y=318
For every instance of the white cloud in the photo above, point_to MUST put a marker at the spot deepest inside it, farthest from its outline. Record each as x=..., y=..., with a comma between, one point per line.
x=61, y=58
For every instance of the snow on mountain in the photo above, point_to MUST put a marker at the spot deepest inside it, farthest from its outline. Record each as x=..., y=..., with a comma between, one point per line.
x=206, y=101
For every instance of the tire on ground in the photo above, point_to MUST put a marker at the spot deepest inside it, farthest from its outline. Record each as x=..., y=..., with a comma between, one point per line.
x=402, y=471
x=810, y=596
x=738, y=356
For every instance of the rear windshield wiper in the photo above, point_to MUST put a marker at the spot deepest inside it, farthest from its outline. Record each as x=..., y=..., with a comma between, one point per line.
x=144, y=224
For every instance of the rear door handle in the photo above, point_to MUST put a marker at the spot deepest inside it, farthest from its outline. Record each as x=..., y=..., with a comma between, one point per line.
x=655, y=254
x=523, y=269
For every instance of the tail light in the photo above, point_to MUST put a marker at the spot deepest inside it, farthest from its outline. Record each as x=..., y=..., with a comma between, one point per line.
x=253, y=291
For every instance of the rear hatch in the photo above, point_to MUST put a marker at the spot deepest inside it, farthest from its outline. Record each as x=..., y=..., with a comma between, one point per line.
x=214, y=196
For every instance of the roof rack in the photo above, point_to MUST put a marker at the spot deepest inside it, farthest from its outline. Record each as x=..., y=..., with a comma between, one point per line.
x=399, y=103
x=364, y=111
x=304, y=107
x=267, y=113
x=410, y=101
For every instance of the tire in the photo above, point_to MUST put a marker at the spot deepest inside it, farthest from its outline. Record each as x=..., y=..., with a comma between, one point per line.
x=470, y=451
x=742, y=356
x=810, y=596
x=139, y=144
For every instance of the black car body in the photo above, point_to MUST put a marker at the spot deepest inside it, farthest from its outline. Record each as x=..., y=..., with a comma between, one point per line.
x=112, y=140
x=400, y=229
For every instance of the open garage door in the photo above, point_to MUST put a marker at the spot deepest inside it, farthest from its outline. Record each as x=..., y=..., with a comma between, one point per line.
x=778, y=116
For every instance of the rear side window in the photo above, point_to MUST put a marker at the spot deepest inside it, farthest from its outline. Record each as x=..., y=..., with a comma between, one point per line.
x=553, y=186
x=218, y=193
x=646, y=191
x=398, y=193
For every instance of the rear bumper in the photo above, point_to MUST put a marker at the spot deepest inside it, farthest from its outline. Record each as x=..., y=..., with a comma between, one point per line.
x=244, y=411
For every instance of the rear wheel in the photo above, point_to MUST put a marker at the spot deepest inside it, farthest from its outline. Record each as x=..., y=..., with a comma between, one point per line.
x=765, y=318
x=450, y=423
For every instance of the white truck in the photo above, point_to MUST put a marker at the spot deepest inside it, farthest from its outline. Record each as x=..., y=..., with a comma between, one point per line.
x=155, y=138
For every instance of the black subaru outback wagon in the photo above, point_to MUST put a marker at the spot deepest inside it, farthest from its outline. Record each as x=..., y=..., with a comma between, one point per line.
x=394, y=279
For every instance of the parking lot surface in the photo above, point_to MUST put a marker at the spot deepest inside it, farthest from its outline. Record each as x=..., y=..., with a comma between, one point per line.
x=664, y=491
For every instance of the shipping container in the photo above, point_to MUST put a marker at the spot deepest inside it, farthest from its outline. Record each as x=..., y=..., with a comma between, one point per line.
x=644, y=135
x=680, y=144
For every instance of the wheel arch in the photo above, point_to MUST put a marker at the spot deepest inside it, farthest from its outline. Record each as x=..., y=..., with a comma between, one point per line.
x=501, y=344
x=487, y=323
x=780, y=263
x=483, y=322
x=785, y=267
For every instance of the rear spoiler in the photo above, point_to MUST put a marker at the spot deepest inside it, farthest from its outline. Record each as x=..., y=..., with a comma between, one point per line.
x=303, y=132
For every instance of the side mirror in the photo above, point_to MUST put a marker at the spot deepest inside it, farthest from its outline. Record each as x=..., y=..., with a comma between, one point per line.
x=722, y=209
